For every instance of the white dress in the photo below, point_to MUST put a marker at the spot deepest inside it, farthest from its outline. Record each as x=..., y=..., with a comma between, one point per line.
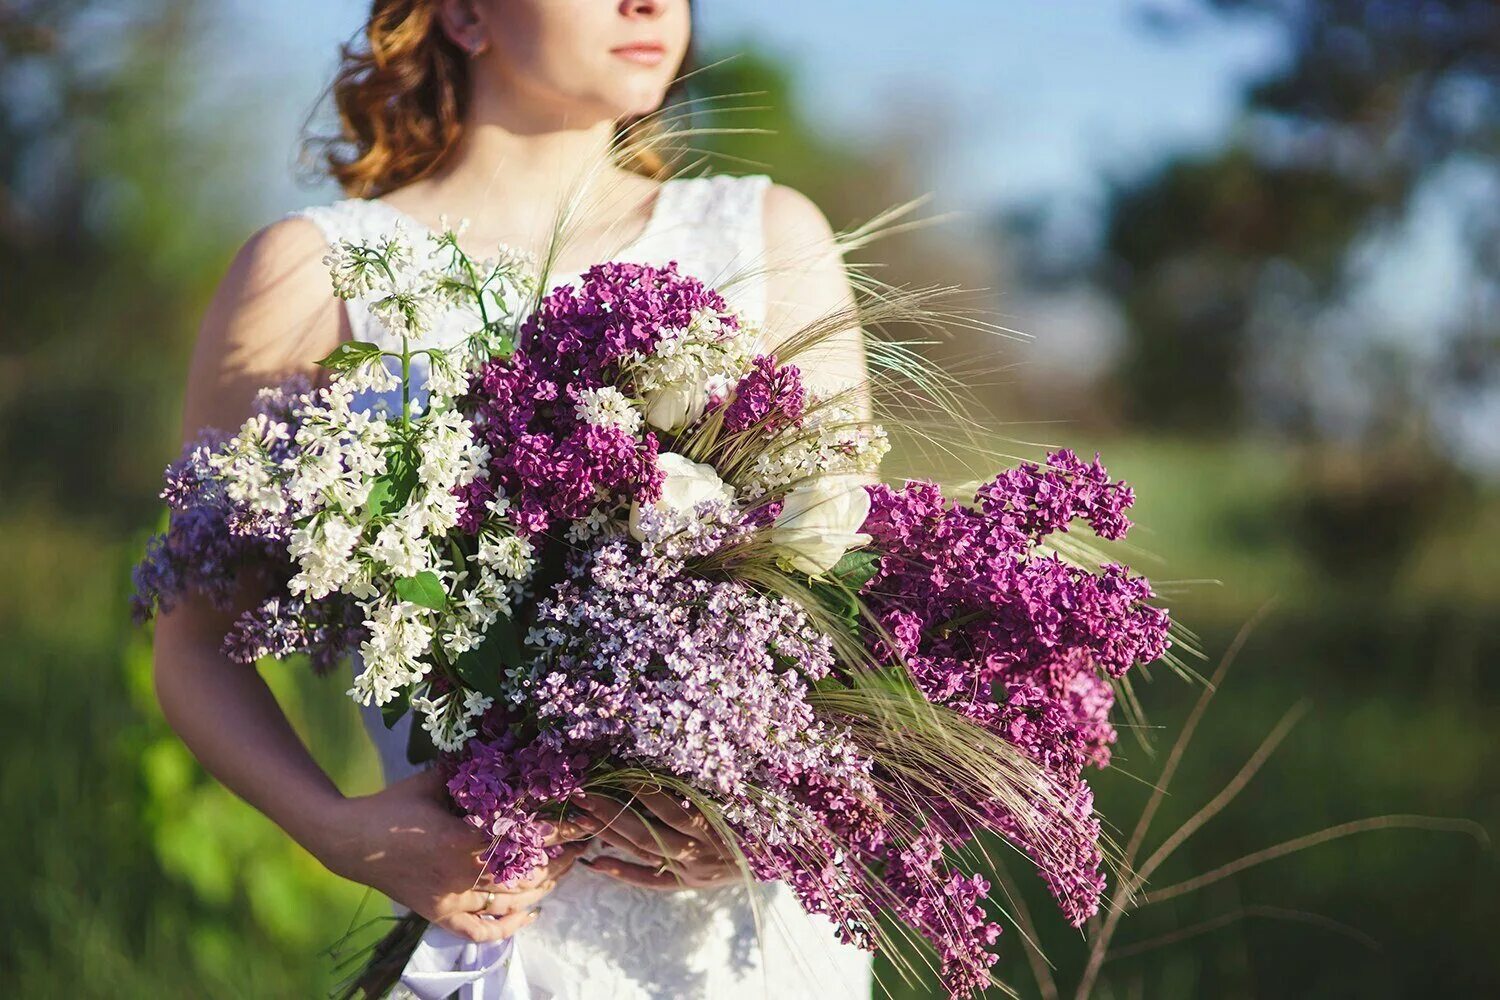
x=598, y=938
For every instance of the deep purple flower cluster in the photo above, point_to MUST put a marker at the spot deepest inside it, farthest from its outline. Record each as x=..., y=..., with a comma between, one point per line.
x=507, y=789
x=580, y=334
x=768, y=397
x=1015, y=638
x=946, y=907
x=552, y=465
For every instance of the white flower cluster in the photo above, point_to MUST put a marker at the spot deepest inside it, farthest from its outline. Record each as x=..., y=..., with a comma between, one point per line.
x=689, y=366
x=397, y=279
x=448, y=717
x=834, y=439
x=608, y=407
x=408, y=286
x=372, y=499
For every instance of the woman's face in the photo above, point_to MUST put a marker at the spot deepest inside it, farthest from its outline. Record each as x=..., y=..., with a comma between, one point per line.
x=589, y=58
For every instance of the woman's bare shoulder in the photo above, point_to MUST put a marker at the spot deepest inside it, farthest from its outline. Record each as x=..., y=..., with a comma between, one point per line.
x=796, y=227
x=273, y=315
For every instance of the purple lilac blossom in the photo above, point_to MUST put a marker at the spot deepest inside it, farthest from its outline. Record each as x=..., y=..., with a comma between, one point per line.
x=508, y=788
x=212, y=546
x=768, y=398
x=1015, y=639
x=645, y=665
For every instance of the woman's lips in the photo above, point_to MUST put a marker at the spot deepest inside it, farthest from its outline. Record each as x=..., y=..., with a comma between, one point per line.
x=641, y=53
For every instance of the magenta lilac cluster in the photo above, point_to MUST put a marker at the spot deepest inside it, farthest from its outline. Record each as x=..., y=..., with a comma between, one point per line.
x=553, y=466
x=511, y=790
x=1017, y=639
x=767, y=398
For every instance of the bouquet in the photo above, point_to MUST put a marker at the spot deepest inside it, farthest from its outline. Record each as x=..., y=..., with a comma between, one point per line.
x=610, y=539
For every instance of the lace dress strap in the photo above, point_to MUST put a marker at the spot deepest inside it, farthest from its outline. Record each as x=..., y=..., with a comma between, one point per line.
x=714, y=228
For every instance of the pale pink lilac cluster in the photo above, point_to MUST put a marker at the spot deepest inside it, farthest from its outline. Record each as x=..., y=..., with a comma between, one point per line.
x=706, y=680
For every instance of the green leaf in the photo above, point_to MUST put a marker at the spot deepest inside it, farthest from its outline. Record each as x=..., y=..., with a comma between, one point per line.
x=481, y=667
x=393, y=488
x=392, y=711
x=424, y=589
x=419, y=748
x=350, y=355
x=856, y=569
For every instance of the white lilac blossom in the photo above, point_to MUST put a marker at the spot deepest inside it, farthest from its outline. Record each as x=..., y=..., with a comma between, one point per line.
x=370, y=499
x=831, y=439
x=448, y=718
x=607, y=406
x=688, y=366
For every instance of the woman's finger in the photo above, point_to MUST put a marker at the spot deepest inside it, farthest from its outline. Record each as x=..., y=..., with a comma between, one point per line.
x=481, y=929
x=682, y=817
x=666, y=875
x=572, y=828
x=551, y=871
x=622, y=820
x=646, y=877
x=499, y=903
x=679, y=814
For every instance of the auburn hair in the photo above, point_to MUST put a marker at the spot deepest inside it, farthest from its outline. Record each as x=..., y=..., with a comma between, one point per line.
x=402, y=97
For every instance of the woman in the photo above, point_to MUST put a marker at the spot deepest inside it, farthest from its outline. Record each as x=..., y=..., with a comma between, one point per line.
x=498, y=111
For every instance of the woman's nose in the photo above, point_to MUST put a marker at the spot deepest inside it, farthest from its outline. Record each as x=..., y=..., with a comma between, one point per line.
x=641, y=8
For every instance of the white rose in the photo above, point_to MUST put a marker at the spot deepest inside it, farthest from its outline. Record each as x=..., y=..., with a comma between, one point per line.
x=676, y=405
x=820, y=521
x=687, y=484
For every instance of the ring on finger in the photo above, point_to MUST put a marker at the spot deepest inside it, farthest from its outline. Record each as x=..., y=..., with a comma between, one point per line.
x=489, y=899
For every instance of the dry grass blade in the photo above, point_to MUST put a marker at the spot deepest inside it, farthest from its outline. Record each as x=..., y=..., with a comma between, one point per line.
x=1229, y=793
x=1041, y=967
x=1101, y=934
x=1227, y=919
x=1392, y=822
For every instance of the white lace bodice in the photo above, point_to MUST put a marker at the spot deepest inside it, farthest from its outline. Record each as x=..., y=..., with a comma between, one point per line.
x=597, y=938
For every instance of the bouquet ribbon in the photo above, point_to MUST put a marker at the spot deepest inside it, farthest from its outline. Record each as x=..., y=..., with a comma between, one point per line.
x=445, y=964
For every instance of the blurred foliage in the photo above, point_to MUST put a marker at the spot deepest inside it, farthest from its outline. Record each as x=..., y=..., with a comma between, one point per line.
x=130, y=873
x=1217, y=256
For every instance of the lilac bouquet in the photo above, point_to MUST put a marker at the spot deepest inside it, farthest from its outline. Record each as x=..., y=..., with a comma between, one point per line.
x=609, y=539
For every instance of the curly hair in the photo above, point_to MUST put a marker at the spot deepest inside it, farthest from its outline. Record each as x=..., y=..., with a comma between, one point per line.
x=402, y=97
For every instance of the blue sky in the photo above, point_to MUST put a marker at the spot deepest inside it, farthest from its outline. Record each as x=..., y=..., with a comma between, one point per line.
x=1035, y=97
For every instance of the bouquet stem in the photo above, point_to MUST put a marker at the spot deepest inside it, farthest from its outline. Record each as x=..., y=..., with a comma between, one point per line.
x=388, y=957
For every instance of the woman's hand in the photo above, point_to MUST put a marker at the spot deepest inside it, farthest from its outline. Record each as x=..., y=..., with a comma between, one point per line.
x=680, y=846
x=406, y=843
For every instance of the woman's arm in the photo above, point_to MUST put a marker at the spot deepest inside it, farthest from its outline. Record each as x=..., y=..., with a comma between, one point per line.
x=267, y=321
x=274, y=316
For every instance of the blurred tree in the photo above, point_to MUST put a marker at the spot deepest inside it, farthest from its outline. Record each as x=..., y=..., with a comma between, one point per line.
x=99, y=226
x=129, y=872
x=1237, y=269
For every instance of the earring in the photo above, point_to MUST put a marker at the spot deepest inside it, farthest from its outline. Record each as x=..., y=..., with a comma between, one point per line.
x=479, y=48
